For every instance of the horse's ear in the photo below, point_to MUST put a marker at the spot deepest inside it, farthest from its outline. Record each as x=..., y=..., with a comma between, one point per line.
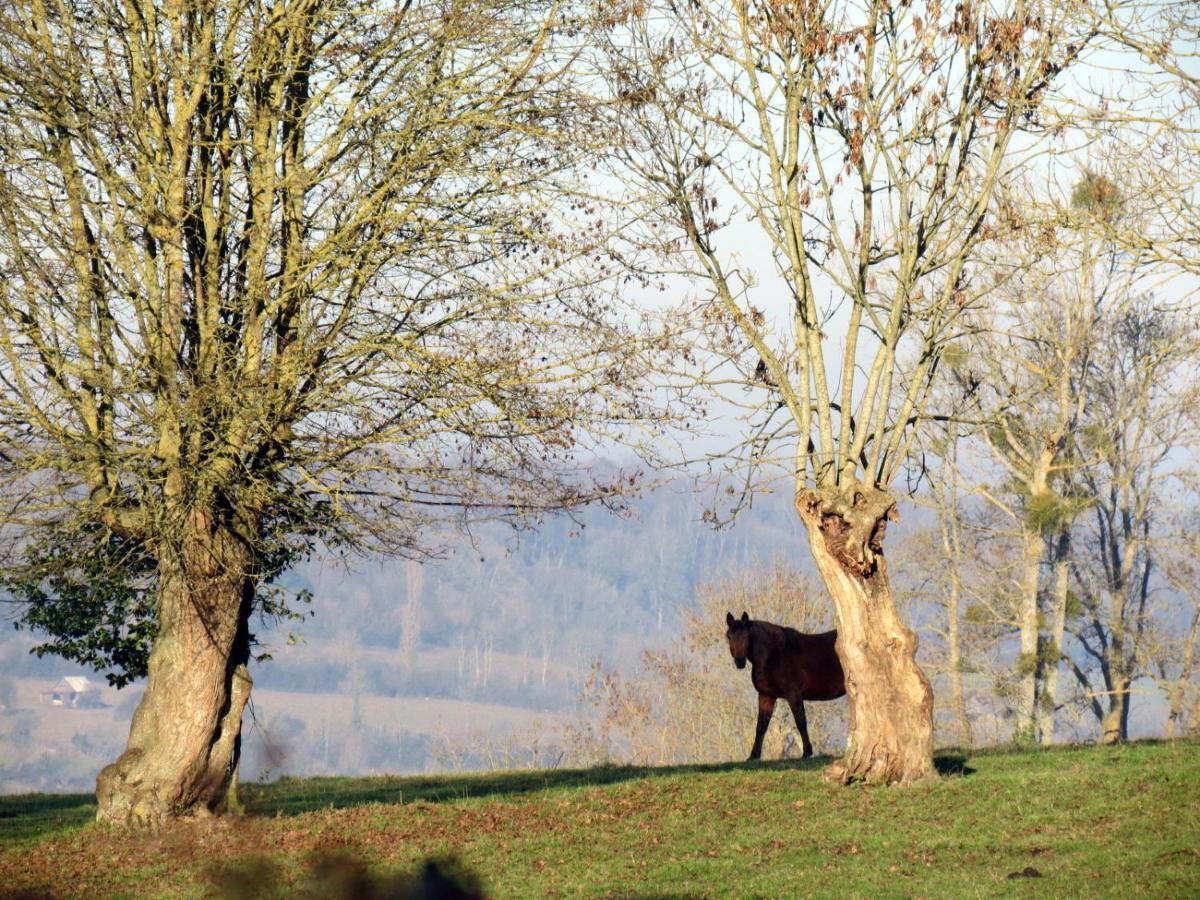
x=729, y=618
x=745, y=617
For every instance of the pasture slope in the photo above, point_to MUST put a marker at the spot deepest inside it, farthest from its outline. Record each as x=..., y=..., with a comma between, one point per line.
x=1071, y=822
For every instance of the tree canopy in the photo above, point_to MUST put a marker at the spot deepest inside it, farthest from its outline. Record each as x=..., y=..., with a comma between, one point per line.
x=278, y=276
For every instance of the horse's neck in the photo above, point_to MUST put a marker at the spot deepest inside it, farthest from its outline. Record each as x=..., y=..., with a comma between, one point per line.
x=764, y=637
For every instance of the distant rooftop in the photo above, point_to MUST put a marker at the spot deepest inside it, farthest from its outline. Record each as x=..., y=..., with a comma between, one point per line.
x=79, y=684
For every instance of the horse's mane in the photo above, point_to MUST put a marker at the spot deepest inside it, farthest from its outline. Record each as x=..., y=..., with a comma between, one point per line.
x=785, y=634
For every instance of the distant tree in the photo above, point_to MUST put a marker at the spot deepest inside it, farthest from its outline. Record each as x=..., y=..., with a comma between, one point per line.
x=275, y=278
x=936, y=569
x=863, y=142
x=1024, y=376
x=1157, y=125
x=1078, y=381
x=1154, y=137
x=1173, y=655
x=1140, y=409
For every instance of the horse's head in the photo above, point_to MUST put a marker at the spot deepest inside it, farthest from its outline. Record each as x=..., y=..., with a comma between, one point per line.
x=738, y=635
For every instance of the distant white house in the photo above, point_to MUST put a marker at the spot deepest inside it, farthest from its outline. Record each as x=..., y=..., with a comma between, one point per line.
x=74, y=691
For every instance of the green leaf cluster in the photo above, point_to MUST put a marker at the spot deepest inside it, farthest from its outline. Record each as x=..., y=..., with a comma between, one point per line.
x=1049, y=512
x=93, y=593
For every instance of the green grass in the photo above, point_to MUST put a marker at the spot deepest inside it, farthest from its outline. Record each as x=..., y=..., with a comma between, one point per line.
x=24, y=818
x=1083, y=822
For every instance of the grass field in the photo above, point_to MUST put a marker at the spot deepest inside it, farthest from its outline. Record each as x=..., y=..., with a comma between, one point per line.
x=1084, y=822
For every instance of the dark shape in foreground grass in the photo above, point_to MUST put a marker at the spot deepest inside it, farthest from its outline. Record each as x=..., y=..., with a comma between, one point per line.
x=342, y=876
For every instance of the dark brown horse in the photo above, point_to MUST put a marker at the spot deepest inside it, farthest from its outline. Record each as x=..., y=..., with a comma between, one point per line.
x=785, y=663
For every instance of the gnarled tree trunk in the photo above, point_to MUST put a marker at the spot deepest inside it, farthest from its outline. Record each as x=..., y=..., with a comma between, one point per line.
x=185, y=738
x=891, y=702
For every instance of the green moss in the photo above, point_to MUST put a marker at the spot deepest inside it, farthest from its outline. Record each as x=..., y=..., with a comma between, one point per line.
x=1098, y=195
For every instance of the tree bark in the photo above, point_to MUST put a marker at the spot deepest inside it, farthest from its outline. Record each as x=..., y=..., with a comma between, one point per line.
x=185, y=738
x=1035, y=546
x=1058, y=628
x=954, y=662
x=1027, y=666
x=1114, y=727
x=891, y=701
x=1176, y=727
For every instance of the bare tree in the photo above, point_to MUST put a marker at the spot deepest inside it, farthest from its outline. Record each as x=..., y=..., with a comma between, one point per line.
x=936, y=568
x=1025, y=374
x=1170, y=653
x=1152, y=118
x=1042, y=374
x=278, y=276
x=1154, y=137
x=865, y=140
x=1139, y=405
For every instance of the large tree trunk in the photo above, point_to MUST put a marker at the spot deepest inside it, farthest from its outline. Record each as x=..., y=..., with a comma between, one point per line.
x=185, y=738
x=891, y=702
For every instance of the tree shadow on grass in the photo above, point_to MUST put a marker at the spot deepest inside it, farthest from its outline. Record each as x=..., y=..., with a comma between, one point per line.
x=293, y=796
x=34, y=815
x=28, y=817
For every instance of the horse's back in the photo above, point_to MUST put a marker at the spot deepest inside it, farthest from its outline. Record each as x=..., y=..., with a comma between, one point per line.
x=799, y=639
x=814, y=664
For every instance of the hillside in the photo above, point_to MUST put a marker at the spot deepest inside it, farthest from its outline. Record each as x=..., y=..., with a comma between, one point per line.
x=1089, y=821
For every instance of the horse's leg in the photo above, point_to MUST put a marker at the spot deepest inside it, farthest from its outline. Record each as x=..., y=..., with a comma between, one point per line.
x=802, y=725
x=766, y=706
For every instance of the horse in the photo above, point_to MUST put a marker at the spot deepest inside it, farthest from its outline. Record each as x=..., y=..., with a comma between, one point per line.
x=785, y=663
